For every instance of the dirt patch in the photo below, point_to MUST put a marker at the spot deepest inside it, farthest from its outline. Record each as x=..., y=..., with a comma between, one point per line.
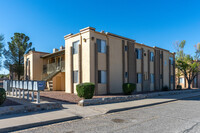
x=9, y=103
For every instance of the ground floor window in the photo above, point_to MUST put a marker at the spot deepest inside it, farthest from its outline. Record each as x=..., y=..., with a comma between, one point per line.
x=172, y=79
x=152, y=78
x=181, y=80
x=75, y=76
x=102, y=77
x=139, y=78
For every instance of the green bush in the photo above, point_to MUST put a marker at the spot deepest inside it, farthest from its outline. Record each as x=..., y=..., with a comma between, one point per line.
x=85, y=90
x=179, y=87
x=2, y=96
x=165, y=88
x=128, y=88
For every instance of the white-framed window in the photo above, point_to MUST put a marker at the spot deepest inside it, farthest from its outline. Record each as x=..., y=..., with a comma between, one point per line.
x=172, y=60
x=181, y=80
x=75, y=47
x=138, y=53
x=151, y=56
x=102, y=78
x=101, y=46
x=139, y=78
x=152, y=78
x=75, y=76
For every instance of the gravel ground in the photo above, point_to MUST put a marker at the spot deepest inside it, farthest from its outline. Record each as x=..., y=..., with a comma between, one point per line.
x=67, y=97
x=177, y=117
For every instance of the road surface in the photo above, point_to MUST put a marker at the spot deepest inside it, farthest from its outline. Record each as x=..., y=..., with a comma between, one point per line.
x=182, y=116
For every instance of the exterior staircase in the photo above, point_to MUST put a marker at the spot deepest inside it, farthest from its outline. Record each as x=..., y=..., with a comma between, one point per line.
x=50, y=76
x=50, y=83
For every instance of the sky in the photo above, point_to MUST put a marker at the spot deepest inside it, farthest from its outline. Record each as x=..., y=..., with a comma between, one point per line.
x=153, y=22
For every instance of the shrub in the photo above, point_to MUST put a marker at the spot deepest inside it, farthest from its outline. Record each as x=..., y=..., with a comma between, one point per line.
x=2, y=96
x=179, y=87
x=128, y=88
x=85, y=90
x=165, y=88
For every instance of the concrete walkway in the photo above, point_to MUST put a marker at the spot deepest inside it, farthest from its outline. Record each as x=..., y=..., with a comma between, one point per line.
x=72, y=112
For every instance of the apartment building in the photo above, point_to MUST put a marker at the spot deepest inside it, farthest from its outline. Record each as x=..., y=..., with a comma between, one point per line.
x=109, y=60
x=183, y=82
x=46, y=66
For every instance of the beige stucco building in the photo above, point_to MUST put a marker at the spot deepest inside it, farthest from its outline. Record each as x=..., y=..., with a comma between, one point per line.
x=184, y=83
x=109, y=60
x=46, y=66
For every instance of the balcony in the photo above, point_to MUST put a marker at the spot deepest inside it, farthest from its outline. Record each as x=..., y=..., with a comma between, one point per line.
x=49, y=70
x=52, y=67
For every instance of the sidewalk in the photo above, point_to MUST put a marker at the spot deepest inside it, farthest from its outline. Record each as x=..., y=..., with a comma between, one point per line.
x=72, y=112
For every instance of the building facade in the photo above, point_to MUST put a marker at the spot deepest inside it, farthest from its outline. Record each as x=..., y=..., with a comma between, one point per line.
x=46, y=66
x=183, y=82
x=109, y=60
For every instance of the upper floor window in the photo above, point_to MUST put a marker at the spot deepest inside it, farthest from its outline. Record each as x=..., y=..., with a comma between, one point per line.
x=151, y=56
x=101, y=46
x=75, y=47
x=125, y=48
x=102, y=77
x=138, y=53
x=172, y=60
x=139, y=78
x=75, y=76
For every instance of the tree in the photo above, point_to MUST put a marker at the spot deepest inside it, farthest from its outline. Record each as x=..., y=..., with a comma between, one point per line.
x=1, y=47
x=188, y=65
x=179, y=55
x=18, y=46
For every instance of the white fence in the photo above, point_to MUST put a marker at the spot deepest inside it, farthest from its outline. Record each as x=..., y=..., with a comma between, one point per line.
x=22, y=88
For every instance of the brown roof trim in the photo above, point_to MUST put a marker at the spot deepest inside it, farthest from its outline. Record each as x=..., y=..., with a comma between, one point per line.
x=35, y=52
x=114, y=35
x=144, y=45
x=48, y=55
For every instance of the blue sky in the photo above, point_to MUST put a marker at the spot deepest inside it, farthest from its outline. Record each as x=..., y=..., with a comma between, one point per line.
x=152, y=22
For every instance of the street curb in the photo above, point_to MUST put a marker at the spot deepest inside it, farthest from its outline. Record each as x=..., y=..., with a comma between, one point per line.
x=38, y=124
x=147, y=105
x=108, y=100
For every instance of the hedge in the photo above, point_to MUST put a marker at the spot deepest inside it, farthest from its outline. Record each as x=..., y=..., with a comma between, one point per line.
x=128, y=88
x=85, y=90
x=2, y=96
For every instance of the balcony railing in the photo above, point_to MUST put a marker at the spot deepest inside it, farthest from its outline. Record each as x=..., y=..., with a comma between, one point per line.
x=52, y=67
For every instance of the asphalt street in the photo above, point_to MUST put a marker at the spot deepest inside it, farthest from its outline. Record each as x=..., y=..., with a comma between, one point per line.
x=181, y=116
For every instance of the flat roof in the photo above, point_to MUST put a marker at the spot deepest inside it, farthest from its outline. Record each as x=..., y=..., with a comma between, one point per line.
x=53, y=54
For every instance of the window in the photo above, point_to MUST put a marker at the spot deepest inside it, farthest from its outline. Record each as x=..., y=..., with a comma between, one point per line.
x=139, y=78
x=138, y=53
x=172, y=79
x=125, y=48
x=126, y=74
x=172, y=60
x=101, y=46
x=181, y=80
x=102, y=77
x=161, y=76
x=151, y=56
x=152, y=78
x=75, y=47
x=195, y=80
x=75, y=76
